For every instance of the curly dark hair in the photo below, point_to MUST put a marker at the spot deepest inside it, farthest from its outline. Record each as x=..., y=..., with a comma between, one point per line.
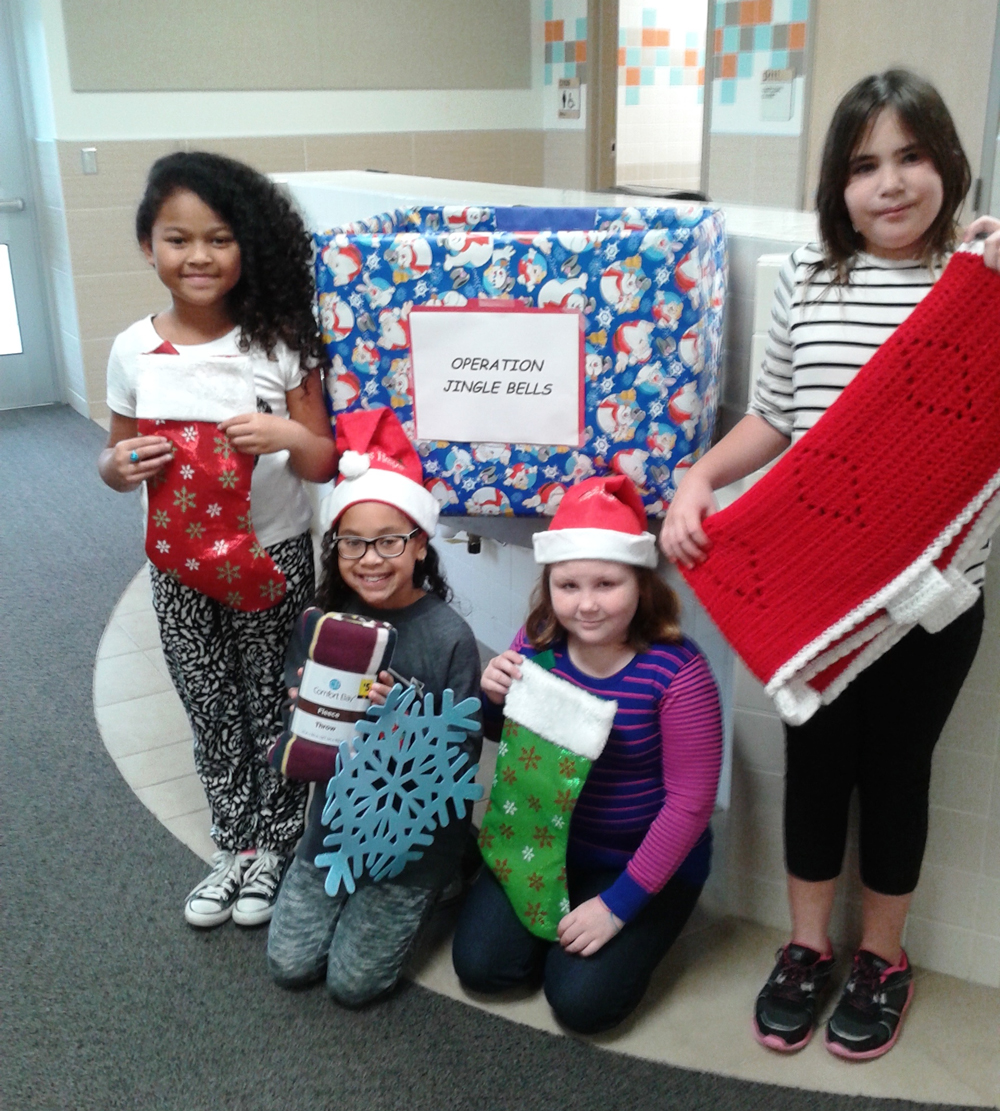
x=657, y=616
x=923, y=113
x=273, y=300
x=333, y=593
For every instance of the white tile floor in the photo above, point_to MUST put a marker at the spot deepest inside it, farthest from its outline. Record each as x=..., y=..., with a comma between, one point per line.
x=696, y=1014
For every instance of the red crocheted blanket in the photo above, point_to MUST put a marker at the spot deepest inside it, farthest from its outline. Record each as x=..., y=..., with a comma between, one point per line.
x=862, y=529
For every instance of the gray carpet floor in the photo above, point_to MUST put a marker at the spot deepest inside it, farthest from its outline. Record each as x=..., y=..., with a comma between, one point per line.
x=107, y=999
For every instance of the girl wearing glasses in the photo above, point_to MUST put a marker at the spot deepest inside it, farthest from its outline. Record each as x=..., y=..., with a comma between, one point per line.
x=377, y=562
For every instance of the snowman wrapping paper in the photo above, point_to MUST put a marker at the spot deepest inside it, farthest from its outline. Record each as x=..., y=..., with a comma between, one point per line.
x=650, y=283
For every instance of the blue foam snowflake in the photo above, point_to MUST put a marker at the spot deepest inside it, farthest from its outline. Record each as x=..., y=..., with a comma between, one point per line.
x=389, y=794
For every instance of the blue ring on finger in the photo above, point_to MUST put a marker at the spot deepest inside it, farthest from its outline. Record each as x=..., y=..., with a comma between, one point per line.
x=134, y=457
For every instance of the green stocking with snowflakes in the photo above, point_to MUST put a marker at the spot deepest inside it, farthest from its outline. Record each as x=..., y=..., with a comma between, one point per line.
x=553, y=731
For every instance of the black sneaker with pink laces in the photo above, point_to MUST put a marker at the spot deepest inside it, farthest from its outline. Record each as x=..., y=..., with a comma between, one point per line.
x=867, y=1020
x=785, y=1012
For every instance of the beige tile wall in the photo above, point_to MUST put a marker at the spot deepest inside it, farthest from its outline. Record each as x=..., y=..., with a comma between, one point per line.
x=100, y=279
x=754, y=169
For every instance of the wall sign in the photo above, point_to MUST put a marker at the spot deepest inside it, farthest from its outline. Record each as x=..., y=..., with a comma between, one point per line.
x=506, y=374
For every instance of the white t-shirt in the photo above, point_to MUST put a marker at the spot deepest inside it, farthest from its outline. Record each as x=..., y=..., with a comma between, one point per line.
x=278, y=503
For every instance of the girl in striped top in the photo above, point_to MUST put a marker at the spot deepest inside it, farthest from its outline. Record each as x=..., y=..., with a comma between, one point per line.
x=639, y=842
x=892, y=181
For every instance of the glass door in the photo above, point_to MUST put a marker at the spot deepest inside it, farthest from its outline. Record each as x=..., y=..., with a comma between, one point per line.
x=27, y=364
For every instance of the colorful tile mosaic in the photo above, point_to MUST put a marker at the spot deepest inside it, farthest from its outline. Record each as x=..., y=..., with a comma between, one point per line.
x=654, y=54
x=752, y=35
x=565, y=40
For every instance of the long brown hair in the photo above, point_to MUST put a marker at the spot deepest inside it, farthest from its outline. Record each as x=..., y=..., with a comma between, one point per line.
x=657, y=616
x=923, y=113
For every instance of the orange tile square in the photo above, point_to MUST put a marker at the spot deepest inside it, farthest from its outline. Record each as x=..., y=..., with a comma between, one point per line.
x=554, y=30
x=649, y=36
x=578, y=49
x=663, y=37
x=548, y=30
x=796, y=36
x=701, y=76
x=632, y=74
x=763, y=11
x=621, y=55
x=581, y=50
x=728, y=65
x=718, y=40
x=748, y=12
x=690, y=57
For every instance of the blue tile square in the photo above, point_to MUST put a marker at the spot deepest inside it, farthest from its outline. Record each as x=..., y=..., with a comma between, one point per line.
x=649, y=17
x=663, y=55
x=701, y=94
x=691, y=40
x=800, y=11
x=744, y=65
x=548, y=9
x=631, y=94
x=676, y=75
x=569, y=69
x=779, y=59
x=558, y=52
x=581, y=29
x=730, y=40
x=762, y=36
x=727, y=91
x=622, y=37
x=633, y=55
x=647, y=75
x=720, y=13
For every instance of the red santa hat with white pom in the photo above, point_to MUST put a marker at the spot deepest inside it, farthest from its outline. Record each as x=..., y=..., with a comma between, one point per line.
x=378, y=463
x=601, y=518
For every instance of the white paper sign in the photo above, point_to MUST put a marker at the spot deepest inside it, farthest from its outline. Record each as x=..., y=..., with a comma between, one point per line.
x=497, y=376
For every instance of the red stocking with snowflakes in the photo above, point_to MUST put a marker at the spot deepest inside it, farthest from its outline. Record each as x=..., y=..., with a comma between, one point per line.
x=199, y=529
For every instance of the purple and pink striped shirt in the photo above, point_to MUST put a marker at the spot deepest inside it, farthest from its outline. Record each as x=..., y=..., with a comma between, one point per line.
x=646, y=804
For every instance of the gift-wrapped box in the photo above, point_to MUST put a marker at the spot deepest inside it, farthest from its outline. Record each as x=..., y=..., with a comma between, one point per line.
x=648, y=283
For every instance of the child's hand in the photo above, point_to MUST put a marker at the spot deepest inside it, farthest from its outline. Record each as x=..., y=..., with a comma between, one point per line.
x=123, y=473
x=990, y=227
x=500, y=672
x=588, y=927
x=682, y=538
x=258, y=433
x=380, y=688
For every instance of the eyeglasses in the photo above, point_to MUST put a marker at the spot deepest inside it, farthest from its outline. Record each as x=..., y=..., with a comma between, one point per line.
x=388, y=547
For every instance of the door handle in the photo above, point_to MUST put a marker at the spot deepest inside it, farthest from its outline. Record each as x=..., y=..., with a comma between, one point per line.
x=12, y=204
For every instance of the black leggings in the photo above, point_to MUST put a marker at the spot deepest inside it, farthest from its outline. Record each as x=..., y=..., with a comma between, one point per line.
x=879, y=736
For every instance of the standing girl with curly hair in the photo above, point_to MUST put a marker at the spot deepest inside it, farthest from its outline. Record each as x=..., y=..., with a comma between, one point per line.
x=236, y=260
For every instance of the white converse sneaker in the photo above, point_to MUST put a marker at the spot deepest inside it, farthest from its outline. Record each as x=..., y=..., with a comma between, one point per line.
x=259, y=890
x=211, y=901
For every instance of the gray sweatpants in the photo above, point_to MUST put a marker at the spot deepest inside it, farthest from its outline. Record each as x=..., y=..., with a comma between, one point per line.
x=358, y=941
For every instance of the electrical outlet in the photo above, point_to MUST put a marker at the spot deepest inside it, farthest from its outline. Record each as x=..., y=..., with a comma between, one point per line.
x=88, y=160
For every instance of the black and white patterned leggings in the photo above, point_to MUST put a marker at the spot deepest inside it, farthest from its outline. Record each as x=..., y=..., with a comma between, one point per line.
x=228, y=669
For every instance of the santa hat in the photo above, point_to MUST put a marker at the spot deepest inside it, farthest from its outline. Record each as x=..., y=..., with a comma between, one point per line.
x=601, y=518
x=378, y=463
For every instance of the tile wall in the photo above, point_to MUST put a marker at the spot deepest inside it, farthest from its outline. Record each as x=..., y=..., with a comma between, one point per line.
x=565, y=40
x=661, y=84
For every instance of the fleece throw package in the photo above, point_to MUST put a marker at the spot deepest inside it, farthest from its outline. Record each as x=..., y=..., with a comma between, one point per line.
x=647, y=285
x=553, y=732
x=344, y=656
x=863, y=528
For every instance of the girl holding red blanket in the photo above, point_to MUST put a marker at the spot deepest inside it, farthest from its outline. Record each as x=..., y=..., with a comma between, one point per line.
x=639, y=842
x=892, y=181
